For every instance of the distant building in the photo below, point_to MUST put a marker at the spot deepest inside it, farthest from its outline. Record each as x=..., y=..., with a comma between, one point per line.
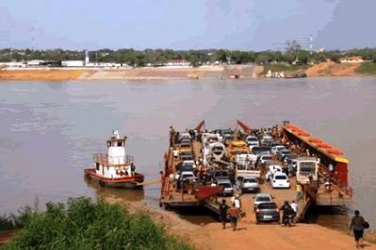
x=72, y=63
x=178, y=62
x=12, y=65
x=352, y=59
x=87, y=59
x=105, y=65
x=34, y=63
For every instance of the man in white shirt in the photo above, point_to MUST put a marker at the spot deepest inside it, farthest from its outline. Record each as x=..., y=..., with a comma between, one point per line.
x=294, y=207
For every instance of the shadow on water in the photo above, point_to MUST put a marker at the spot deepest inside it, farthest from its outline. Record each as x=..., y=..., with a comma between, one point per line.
x=331, y=217
x=115, y=193
x=197, y=215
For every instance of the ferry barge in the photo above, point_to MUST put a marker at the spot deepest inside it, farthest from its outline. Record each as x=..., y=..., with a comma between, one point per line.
x=115, y=169
x=196, y=156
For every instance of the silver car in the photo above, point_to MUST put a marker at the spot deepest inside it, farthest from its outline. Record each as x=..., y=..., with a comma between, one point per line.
x=262, y=198
x=247, y=184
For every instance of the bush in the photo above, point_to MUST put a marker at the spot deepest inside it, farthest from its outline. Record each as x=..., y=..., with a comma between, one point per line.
x=367, y=68
x=84, y=224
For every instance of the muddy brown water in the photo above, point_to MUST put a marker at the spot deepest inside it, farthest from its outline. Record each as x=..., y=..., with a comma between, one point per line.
x=49, y=131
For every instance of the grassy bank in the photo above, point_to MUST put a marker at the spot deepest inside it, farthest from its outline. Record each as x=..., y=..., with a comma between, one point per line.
x=84, y=224
x=284, y=67
x=367, y=68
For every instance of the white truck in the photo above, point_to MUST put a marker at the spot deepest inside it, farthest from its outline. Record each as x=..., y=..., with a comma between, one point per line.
x=306, y=167
x=245, y=166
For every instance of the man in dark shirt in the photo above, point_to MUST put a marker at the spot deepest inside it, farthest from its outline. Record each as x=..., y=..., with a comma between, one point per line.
x=286, y=210
x=223, y=208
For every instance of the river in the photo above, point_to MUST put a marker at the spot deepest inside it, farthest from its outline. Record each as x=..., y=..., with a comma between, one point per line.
x=49, y=130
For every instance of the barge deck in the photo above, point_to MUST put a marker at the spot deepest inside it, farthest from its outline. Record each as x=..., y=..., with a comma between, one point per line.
x=197, y=191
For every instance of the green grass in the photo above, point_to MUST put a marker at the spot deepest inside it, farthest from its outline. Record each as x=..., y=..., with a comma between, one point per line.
x=84, y=224
x=367, y=68
x=284, y=67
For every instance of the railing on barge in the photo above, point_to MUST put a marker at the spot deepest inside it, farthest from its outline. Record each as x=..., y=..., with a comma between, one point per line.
x=105, y=160
x=340, y=192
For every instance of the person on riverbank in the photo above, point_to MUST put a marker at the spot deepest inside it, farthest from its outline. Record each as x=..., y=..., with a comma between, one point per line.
x=286, y=210
x=236, y=200
x=294, y=207
x=357, y=227
x=223, y=209
x=234, y=216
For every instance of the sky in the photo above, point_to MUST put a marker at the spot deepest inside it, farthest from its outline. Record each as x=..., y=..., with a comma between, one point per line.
x=186, y=24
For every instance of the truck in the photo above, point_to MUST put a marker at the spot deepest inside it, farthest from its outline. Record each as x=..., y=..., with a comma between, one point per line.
x=245, y=166
x=306, y=167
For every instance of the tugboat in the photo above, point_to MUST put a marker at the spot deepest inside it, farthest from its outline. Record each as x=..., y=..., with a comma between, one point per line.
x=115, y=169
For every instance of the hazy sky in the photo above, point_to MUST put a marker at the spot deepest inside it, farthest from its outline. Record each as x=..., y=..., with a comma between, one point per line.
x=185, y=24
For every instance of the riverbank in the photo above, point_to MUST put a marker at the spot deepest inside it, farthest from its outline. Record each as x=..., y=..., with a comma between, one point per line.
x=250, y=235
x=327, y=69
x=145, y=73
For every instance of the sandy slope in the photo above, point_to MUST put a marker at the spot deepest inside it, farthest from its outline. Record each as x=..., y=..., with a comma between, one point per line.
x=332, y=69
x=147, y=73
x=249, y=235
x=40, y=75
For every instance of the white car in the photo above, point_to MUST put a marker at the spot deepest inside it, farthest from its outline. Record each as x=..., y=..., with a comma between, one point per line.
x=272, y=170
x=189, y=163
x=252, y=140
x=280, y=180
x=227, y=187
x=266, y=139
x=262, y=159
x=276, y=148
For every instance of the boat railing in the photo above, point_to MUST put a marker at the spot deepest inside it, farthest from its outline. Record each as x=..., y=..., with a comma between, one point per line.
x=341, y=188
x=106, y=160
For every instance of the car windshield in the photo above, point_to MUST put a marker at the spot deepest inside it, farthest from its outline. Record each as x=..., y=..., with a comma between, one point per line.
x=266, y=158
x=258, y=150
x=186, y=167
x=267, y=206
x=307, y=167
x=280, y=177
x=263, y=198
x=250, y=181
x=285, y=151
x=225, y=185
x=221, y=173
x=184, y=176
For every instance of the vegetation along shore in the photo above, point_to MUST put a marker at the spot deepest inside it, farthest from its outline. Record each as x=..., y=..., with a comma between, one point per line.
x=129, y=64
x=115, y=224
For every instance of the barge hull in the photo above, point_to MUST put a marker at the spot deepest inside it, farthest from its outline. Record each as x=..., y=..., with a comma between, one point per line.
x=125, y=183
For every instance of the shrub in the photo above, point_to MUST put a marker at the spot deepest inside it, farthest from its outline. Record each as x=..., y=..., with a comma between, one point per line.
x=367, y=68
x=84, y=224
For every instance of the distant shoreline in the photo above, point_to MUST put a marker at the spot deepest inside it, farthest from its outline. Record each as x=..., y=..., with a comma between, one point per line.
x=328, y=69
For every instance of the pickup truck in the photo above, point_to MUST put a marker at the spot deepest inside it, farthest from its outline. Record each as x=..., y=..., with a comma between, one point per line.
x=247, y=184
x=245, y=166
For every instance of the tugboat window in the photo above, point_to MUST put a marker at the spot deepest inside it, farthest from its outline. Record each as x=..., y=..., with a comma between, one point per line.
x=120, y=144
x=97, y=166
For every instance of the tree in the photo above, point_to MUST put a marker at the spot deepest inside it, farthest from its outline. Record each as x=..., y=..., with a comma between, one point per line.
x=220, y=55
x=293, y=45
x=262, y=58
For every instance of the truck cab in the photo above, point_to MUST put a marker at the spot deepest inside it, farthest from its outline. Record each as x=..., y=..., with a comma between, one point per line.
x=306, y=167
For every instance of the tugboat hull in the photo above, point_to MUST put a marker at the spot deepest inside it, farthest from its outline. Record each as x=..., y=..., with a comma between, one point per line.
x=129, y=182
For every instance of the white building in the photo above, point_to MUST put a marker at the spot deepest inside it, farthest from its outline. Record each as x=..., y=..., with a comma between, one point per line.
x=72, y=63
x=178, y=63
x=34, y=63
x=352, y=59
x=12, y=65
